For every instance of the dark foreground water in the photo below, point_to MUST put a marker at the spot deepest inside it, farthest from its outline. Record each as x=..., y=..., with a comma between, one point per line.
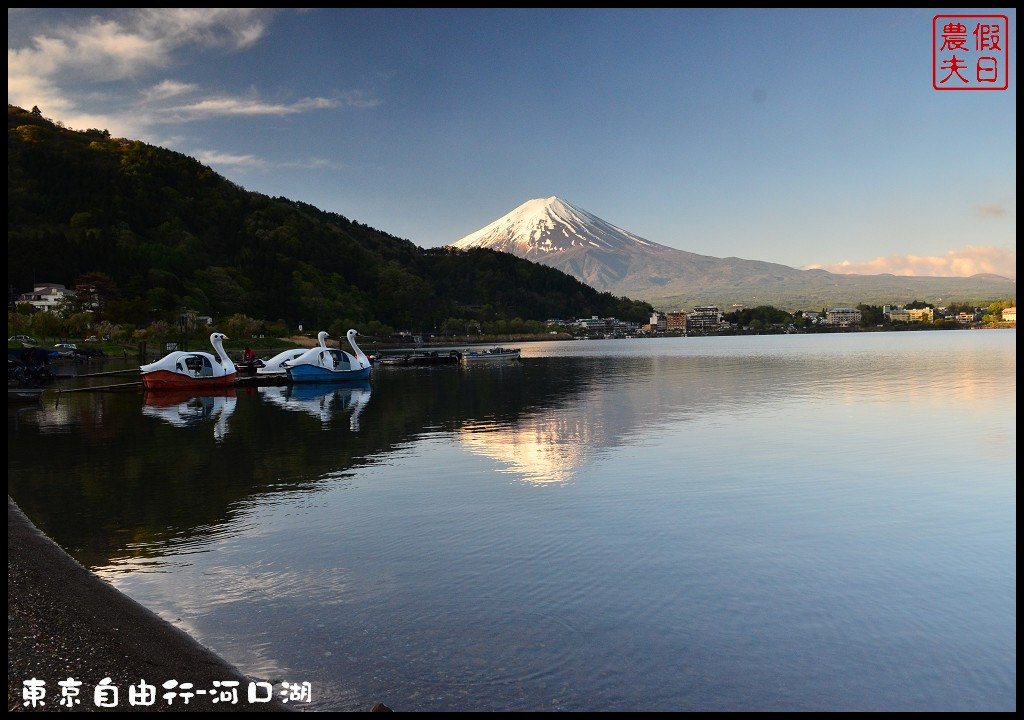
x=764, y=523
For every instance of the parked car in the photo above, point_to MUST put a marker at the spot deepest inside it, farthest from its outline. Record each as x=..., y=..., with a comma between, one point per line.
x=21, y=338
x=65, y=347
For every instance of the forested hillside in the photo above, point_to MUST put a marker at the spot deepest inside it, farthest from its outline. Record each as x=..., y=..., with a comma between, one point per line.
x=155, y=232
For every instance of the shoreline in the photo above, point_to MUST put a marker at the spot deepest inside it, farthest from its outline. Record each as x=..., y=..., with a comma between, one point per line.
x=65, y=622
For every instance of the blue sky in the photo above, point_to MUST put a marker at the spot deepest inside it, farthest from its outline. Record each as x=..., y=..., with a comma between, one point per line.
x=807, y=138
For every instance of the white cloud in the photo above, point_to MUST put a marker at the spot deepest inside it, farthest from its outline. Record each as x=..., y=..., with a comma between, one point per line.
x=169, y=89
x=62, y=68
x=211, y=107
x=216, y=157
x=960, y=262
x=234, y=28
x=126, y=44
x=57, y=66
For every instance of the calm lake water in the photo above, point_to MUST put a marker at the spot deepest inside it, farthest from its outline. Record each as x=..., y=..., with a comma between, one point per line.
x=808, y=522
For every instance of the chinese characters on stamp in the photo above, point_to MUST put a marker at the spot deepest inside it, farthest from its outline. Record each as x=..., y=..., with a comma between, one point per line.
x=970, y=52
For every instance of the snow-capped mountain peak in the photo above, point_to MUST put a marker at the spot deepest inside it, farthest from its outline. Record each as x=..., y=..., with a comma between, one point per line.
x=547, y=225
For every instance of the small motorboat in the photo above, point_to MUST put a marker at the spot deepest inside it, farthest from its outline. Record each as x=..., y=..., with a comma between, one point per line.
x=496, y=353
x=323, y=364
x=182, y=370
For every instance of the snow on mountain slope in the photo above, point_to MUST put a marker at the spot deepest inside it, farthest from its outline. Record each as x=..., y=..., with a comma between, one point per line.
x=546, y=225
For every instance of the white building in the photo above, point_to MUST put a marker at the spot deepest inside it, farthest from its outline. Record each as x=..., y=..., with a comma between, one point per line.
x=47, y=296
x=1010, y=315
x=659, y=321
x=842, y=316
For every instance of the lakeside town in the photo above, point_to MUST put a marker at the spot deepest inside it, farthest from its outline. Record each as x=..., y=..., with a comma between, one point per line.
x=53, y=310
x=765, y=319
x=710, y=319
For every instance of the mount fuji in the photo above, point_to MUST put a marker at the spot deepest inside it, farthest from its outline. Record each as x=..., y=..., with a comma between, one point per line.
x=553, y=232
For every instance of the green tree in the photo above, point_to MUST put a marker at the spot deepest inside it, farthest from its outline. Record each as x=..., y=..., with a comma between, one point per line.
x=239, y=326
x=454, y=326
x=995, y=311
x=956, y=308
x=871, y=315
x=46, y=325
x=77, y=325
x=156, y=331
x=375, y=330
x=19, y=323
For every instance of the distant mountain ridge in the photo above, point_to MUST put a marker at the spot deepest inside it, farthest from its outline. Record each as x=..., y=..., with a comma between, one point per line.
x=553, y=232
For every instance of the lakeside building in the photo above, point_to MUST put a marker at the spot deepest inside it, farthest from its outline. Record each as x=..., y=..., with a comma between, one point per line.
x=676, y=321
x=704, y=317
x=46, y=296
x=623, y=327
x=1010, y=315
x=967, y=318
x=659, y=322
x=842, y=316
x=896, y=314
x=606, y=327
x=592, y=324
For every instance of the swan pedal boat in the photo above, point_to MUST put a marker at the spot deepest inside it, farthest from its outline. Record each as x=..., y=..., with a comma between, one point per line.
x=324, y=364
x=182, y=370
x=274, y=367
